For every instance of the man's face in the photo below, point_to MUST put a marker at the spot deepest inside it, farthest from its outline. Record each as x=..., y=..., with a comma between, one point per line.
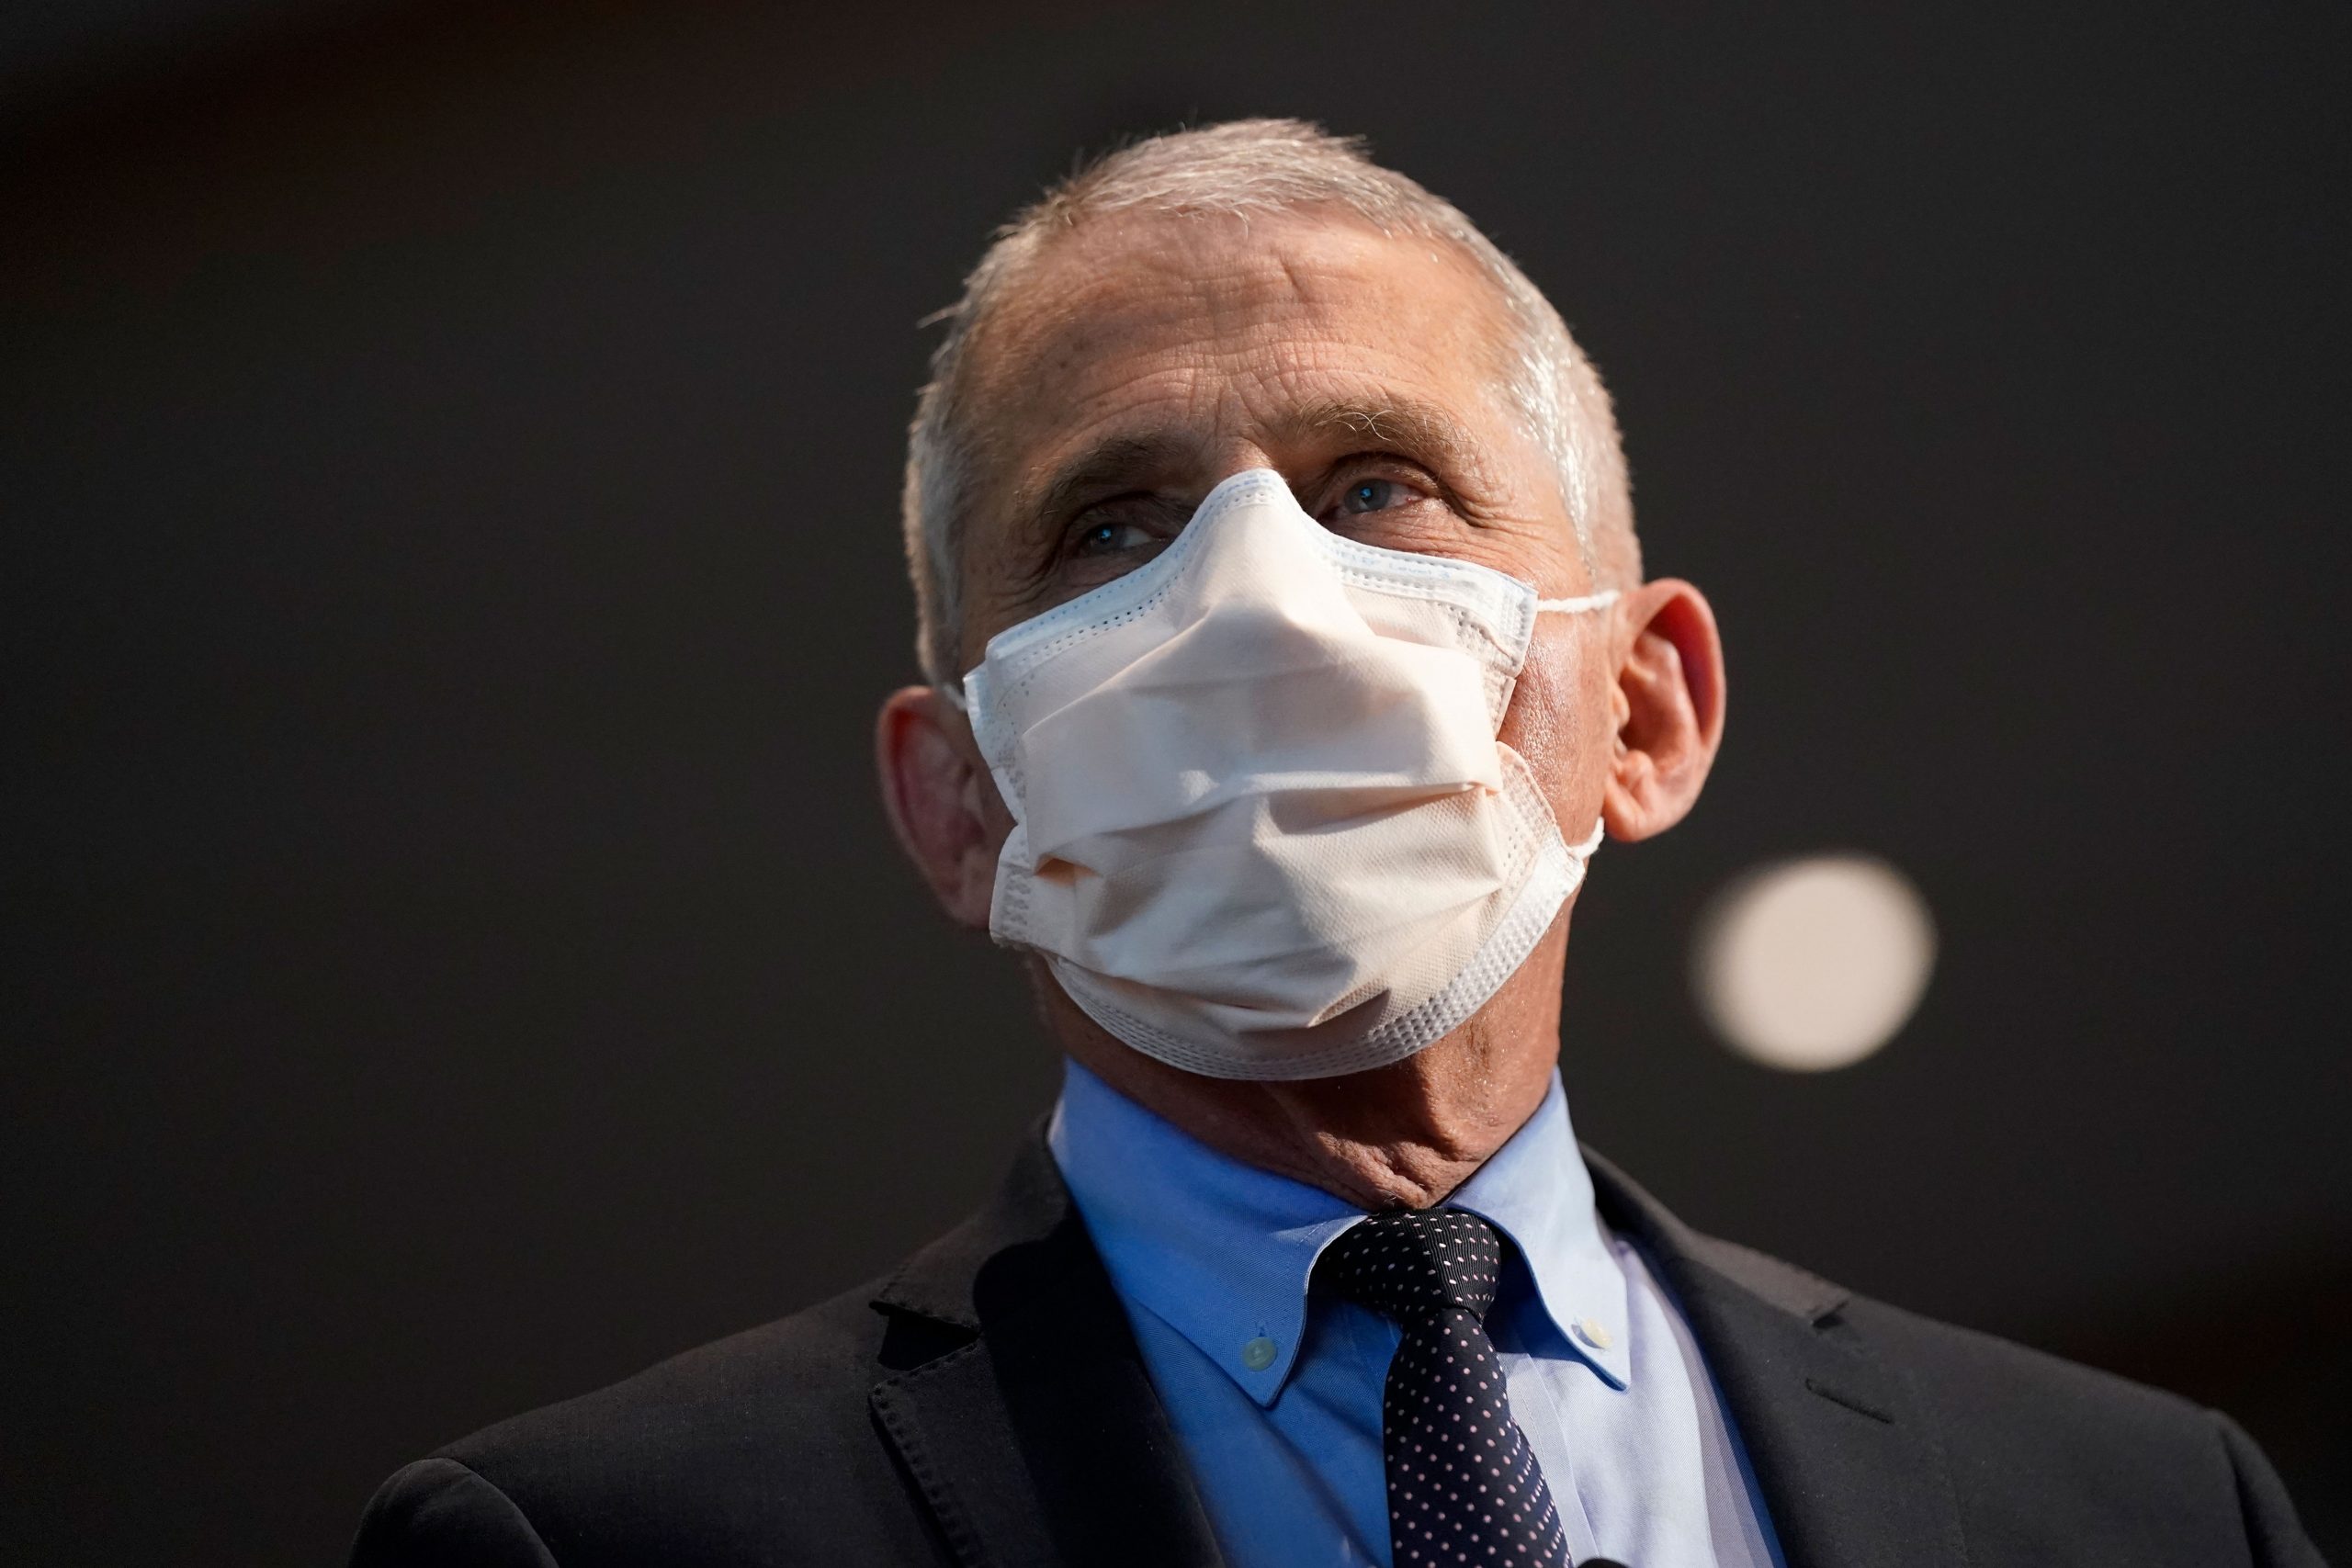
x=1143, y=361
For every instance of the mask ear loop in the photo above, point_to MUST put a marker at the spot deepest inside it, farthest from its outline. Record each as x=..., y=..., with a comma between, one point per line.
x=951, y=697
x=1601, y=601
x=1584, y=851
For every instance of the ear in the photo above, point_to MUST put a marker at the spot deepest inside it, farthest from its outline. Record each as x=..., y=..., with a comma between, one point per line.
x=941, y=801
x=1668, y=707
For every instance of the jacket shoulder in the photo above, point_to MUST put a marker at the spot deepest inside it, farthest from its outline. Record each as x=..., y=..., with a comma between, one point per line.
x=1974, y=1376
x=792, y=1378
x=757, y=1448
x=2038, y=1447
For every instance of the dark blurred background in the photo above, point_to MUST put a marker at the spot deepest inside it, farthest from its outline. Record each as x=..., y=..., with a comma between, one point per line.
x=449, y=458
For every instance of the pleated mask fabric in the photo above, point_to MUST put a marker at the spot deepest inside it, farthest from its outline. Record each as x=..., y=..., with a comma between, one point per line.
x=1263, y=826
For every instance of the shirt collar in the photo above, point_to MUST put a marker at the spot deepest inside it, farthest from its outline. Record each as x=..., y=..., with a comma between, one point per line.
x=1223, y=1252
x=1535, y=1190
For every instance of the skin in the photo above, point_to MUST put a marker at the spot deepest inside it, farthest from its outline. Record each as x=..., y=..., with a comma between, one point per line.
x=1142, y=361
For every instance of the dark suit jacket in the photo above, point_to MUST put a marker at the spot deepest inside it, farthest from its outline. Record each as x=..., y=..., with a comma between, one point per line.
x=986, y=1405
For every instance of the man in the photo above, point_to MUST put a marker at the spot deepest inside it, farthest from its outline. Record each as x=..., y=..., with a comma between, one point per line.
x=1289, y=659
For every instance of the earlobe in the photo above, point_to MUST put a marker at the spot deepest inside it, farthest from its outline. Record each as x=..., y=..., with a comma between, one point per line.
x=937, y=796
x=1669, y=707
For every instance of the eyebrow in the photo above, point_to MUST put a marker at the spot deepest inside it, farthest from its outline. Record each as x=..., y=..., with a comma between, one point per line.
x=1113, y=462
x=1419, y=429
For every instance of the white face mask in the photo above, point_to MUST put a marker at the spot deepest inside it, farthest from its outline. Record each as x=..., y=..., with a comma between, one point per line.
x=1263, y=827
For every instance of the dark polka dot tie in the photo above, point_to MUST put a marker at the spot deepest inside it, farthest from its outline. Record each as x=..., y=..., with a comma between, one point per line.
x=1463, y=1483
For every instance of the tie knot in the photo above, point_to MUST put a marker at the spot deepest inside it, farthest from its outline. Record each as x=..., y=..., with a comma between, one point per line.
x=1411, y=1264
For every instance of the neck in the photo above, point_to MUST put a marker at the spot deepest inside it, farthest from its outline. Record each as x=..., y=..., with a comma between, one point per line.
x=1401, y=1136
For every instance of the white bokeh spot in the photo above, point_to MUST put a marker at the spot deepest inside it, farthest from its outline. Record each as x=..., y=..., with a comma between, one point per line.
x=1813, y=964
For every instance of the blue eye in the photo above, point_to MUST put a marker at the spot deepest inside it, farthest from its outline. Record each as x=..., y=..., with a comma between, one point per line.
x=1368, y=495
x=1111, y=538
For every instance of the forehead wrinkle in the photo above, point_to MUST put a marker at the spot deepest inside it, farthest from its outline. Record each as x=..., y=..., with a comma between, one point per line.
x=1110, y=277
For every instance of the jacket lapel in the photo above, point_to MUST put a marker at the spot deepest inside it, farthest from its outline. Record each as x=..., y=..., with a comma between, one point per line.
x=1019, y=1405
x=1848, y=1464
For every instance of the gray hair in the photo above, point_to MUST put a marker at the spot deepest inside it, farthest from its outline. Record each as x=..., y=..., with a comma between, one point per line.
x=1241, y=169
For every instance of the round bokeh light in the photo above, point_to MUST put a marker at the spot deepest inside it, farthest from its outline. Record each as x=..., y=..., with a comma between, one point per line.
x=1813, y=964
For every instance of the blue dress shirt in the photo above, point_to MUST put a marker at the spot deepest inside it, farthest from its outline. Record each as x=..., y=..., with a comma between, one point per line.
x=1274, y=1390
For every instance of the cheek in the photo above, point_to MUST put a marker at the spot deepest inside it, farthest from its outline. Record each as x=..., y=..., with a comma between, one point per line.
x=1556, y=721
